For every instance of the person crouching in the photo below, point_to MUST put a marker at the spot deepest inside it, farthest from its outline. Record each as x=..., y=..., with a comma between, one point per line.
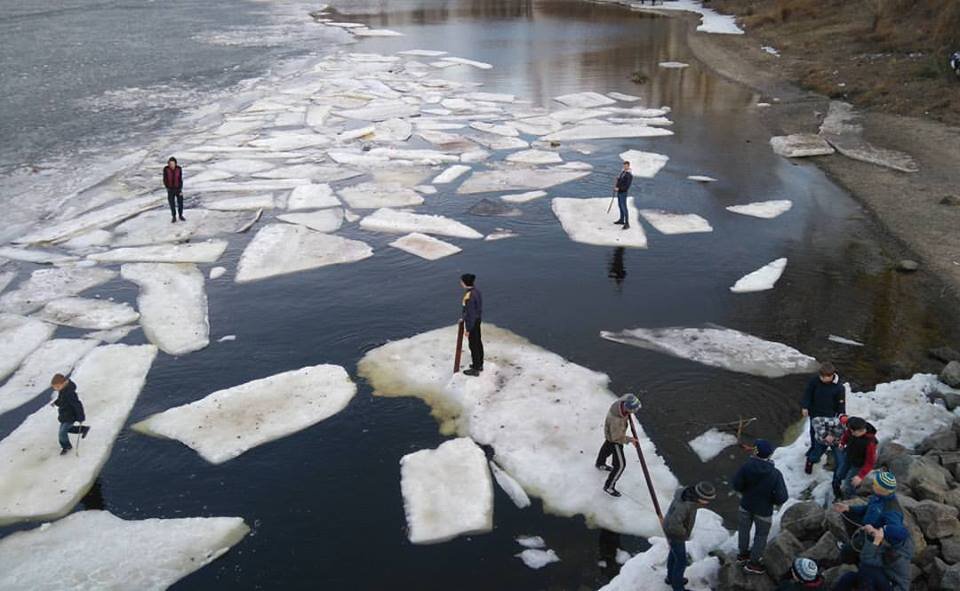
x=615, y=436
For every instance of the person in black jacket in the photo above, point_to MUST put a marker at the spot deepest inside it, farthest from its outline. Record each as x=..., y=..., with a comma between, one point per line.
x=824, y=396
x=621, y=187
x=173, y=181
x=69, y=411
x=471, y=316
x=761, y=487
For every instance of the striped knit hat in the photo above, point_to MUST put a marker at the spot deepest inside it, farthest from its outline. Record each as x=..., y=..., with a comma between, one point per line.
x=884, y=483
x=805, y=570
x=705, y=491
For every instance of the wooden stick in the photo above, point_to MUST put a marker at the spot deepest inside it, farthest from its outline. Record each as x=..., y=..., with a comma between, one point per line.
x=456, y=358
x=646, y=473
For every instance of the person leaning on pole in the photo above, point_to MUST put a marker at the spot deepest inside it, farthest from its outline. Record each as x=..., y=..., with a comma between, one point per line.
x=614, y=437
x=471, y=318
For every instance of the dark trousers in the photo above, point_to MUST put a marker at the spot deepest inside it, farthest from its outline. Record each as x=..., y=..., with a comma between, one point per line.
x=476, y=347
x=63, y=437
x=676, y=564
x=866, y=579
x=175, y=199
x=622, y=204
x=614, y=450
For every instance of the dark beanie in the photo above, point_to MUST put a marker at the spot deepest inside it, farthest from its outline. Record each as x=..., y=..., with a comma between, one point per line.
x=705, y=491
x=468, y=279
x=856, y=423
x=764, y=448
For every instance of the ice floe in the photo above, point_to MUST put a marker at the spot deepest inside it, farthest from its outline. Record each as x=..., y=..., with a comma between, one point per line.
x=424, y=246
x=392, y=130
x=491, y=97
x=450, y=174
x=588, y=221
x=422, y=52
x=375, y=195
x=96, y=550
x=447, y=492
x=719, y=347
x=402, y=222
x=459, y=61
x=19, y=336
x=763, y=209
x=154, y=226
x=34, y=256
x=91, y=314
x=323, y=220
x=673, y=65
x=33, y=376
x=518, y=180
x=494, y=128
x=626, y=98
x=45, y=285
x=381, y=110
x=842, y=129
x=531, y=541
x=535, y=157
x=590, y=131
x=279, y=249
x=253, y=202
x=376, y=33
x=499, y=142
x=710, y=443
x=667, y=222
x=537, y=559
x=584, y=100
x=229, y=422
x=114, y=335
x=800, y=145
x=512, y=488
x=241, y=166
x=312, y=197
x=99, y=218
x=644, y=164
x=217, y=272
x=173, y=305
x=37, y=485
x=500, y=234
x=844, y=341
x=191, y=252
x=762, y=279
x=523, y=197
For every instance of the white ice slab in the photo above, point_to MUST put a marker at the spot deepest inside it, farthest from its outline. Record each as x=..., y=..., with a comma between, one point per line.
x=673, y=65
x=318, y=173
x=536, y=125
x=114, y=335
x=499, y=142
x=392, y=130
x=173, y=305
x=589, y=221
x=518, y=180
x=537, y=559
x=699, y=178
x=279, y=249
x=844, y=341
x=500, y=234
x=45, y=285
x=312, y=197
x=154, y=227
x=422, y=52
x=491, y=97
x=381, y=110
x=99, y=218
x=376, y=195
x=242, y=166
x=710, y=443
x=466, y=62
x=324, y=220
x=800, y=145
x=584, y=100
x=450, y=174
x=402, y=222
x=423, y=246
x=535, y=157
x=94, y=550
x=253, y=202
x=447, y=492
x=33, y=377
x=317, y=115
x=523, y=197
x=40, y=484
x=531, y=541
x=719, y=347
x=375, y=33
x=644, y=164
x=511, y=487
x=495, y=128
x=541, y=414
x=191, y=252
x=34, y=256
x=626, y=98
x=229, y=422
x=576, y=114
x=291, y=141
x=92, y=314
x=762, y=279
x=19, y=336
x=763, y=209
x=593, y=131
x=667, y=222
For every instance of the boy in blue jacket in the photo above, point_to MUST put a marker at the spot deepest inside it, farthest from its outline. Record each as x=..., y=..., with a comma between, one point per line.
x=884, y=561
x=882, y=509
x=761, y=487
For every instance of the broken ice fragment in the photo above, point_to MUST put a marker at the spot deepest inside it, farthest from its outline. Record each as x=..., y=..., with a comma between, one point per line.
x=589, y=221
x=709, y=444
x=424, y=246
x=762, y=279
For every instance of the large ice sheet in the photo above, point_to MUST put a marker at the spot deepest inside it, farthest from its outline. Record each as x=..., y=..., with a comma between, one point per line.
x=242, y=166
x=800, y=145
x=667, y=222
x=191, y=252
x=587, y=221
x=719, y=347
x=541, y=414
x=19, y=336
x=381, y=110
x=423, y=246
x=376, y=195
x=89, y=313
x=279, y=249
x=584, y=100
x=312, y=197
x=173, y=305
x=523, y=197
x=40, y=484
x=229, y=422
x=535, y=157
x=154, y=227
x=253, y=202
x=447, y=492
x=392, y=130
x=95, y=550
x=33, y=377
x=596, y=131
x=45, y=285
x=323, y=220
x=710, y=443
x=89, y=221
x=518, y=180
x=763, y=209
x=494, y=128
x=34, y=256
x=402, y=222
x=644, y=164
x=466, y=62
x=762, y=279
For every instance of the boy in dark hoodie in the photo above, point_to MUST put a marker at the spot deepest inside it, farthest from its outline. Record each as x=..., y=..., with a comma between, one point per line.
x=804, y=574
x=824, y=396
x=761, y=487
x=678, y=526
x=856, y=457
x=884, y=561
x=69, y=411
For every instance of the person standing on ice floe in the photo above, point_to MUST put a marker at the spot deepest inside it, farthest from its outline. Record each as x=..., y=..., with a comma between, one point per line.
x=761, y=487
x=615, y=436
x=173, y=181
x=824, y=396
x=804, y=574
x=884, y=561
x=856, y=457
x=678, y=526
x=621, y=187
x=69, y=411
x=471, y=317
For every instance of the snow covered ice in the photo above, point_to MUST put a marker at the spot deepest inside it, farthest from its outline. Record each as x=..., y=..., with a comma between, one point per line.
x=667, y=222
x=535, y=157
x=229, y=422
x=601, y=130
x=584, y=100
x=711, y=443
x=154, y=227
x=537, y=559
x=719, y=347
x=46, y=285
x=99, y=218
x=34, y=256
x=402, y=222
x=19, y=336
x=518, y=180
x=425, y=247
x=94, y=550
x=510, y=486
x=173, y=305
x=312, y=197
x=800, y=145
x=322, y=220
x=450, y=174
x=92, y=314
x=253, y=202
x=762, y=279
x=193, y=252
x=374, y=195
x=644, y=164
x=763, y=209
x=587, y=221
x=523, y=197
x=33, y=376
x=447, y=492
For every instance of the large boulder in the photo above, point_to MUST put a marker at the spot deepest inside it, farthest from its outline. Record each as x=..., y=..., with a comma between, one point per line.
x=942, y=440
x=925, y=490
x=887, y=450
x=831, y=575
x=804, y=520
x=910, y=470
x=935, y=572
x=834, y=523
x=944, y=354
x=780, y=553
x=950, y=581
x=951, y=374
x=825, y=550
x=910, y=522
x=733, y=578
x=950, y=549
x=936, y=520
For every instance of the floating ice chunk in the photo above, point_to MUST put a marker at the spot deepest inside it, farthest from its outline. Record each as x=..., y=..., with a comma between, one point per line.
x=518, y=180
x=644, y=164
x=33, y=377
x=709, y=444
x=719, y=347
x=45, y=285
x=381, y=110
x=530, y=541
x=504, y=130
x=419, y=156
x=842, y=129
x=349, y=216
x=711, y=21
x=310, y=172
x=622, y=556
x=626, y=98
x=229, y=422
x=376, y=33
x=535, y=157
x=34, y=256
x=515, y=492
x=447, y=492
x=154, y=227
x=701, y=179
x=173, y=305
x=324, y=220
x=489, y=207
x=536, y=125
x=425, y=189
x=424, y=246
x=675, y=223
x=88, y=313
x=537, y=559
x=356, y=133
x=500, y=234
x=346, y=25
x=96, y=550
x=357, y=158
x=605, y=131
x=584, y=100
x=587, y=221
x=499, y=142
x=673, y=65
x=109, y=379
x=312, y=197
x=114, y=335
x=375, y=195
x=434, y=125
x=253, y=202
x=392, y=130
x=450, y=174
x=291, y=141
x=227, y=338
x=523, y=197
x=491, y=97
x=763, y=209
x=576, y=166
x=209, y=176
x=317, y=115
x=762, y=279
x=465, y=62
x=474, y=156
x=422, y=52
x=217, y=272
x=640, y=112
x=402, y=222
x=191, y=252
x=256, y=186
x=844, y=341
x=799, y=145
x=243, y=167
x=279, y=249
x=89, y=221
x=88, y=240
x=573, y=115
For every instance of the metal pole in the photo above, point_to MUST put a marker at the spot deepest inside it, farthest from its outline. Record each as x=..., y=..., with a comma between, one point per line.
x=646, y=473
x=456, y=358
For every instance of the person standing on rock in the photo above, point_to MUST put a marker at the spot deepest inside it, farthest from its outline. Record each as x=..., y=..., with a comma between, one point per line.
x=621, y=186
x=678, y=526
x=824, y=396
x=471, y=317
x=69, y=411
x=173, y=181
x=761, y=487
x=884, y=561
x=856, y=457
x=615, y=436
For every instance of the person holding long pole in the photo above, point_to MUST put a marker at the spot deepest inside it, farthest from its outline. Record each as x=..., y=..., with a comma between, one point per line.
x=621, y=186
x=615, y=436
x=471, y=317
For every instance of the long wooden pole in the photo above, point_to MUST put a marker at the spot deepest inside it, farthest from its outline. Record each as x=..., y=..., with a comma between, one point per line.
x=646, y=473
x=456, y=358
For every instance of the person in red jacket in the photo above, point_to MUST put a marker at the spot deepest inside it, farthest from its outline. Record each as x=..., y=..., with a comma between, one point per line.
x=855, y=458
x=173, y=181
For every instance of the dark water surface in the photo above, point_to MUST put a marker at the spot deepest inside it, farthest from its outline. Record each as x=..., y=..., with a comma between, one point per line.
x=325, y=503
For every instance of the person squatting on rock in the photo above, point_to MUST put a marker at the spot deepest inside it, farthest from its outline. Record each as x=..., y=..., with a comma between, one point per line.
x=804, y=574
x=884, y=561
x=678, y=526
x=471, y=317
x=824, y=396
x=621, y=187
x=761, y=487
x=173, y=181
x=615, y=436
x=69, y=411
x=881, y=509
x=856, y=457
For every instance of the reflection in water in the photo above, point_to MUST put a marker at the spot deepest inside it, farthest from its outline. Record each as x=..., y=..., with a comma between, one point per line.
x=93, y=500
x=608, y=542
x=616, y=270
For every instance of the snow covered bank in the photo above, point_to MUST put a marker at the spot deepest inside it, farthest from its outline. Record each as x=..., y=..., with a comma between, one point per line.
x=711, y=21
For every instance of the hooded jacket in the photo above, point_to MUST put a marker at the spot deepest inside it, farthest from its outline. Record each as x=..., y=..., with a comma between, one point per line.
x=69, y=407
x=893, y=560
x=760, y=485
x=824, y=400
x=682, y=515
x=861, y=452
x=879, y=511
x=615, y=425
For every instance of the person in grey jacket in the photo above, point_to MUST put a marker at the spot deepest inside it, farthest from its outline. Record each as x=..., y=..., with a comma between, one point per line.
x=884, y=560
x=471, y=317
x=678, y=526
x=614, y=436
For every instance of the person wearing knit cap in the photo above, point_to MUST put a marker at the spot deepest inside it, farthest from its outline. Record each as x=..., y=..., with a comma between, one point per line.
x=761, y=487
x=678, y=525
x=804, y=574
x=882, y=509
x=884, y=560
x=856, y=456
x=614, y=437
